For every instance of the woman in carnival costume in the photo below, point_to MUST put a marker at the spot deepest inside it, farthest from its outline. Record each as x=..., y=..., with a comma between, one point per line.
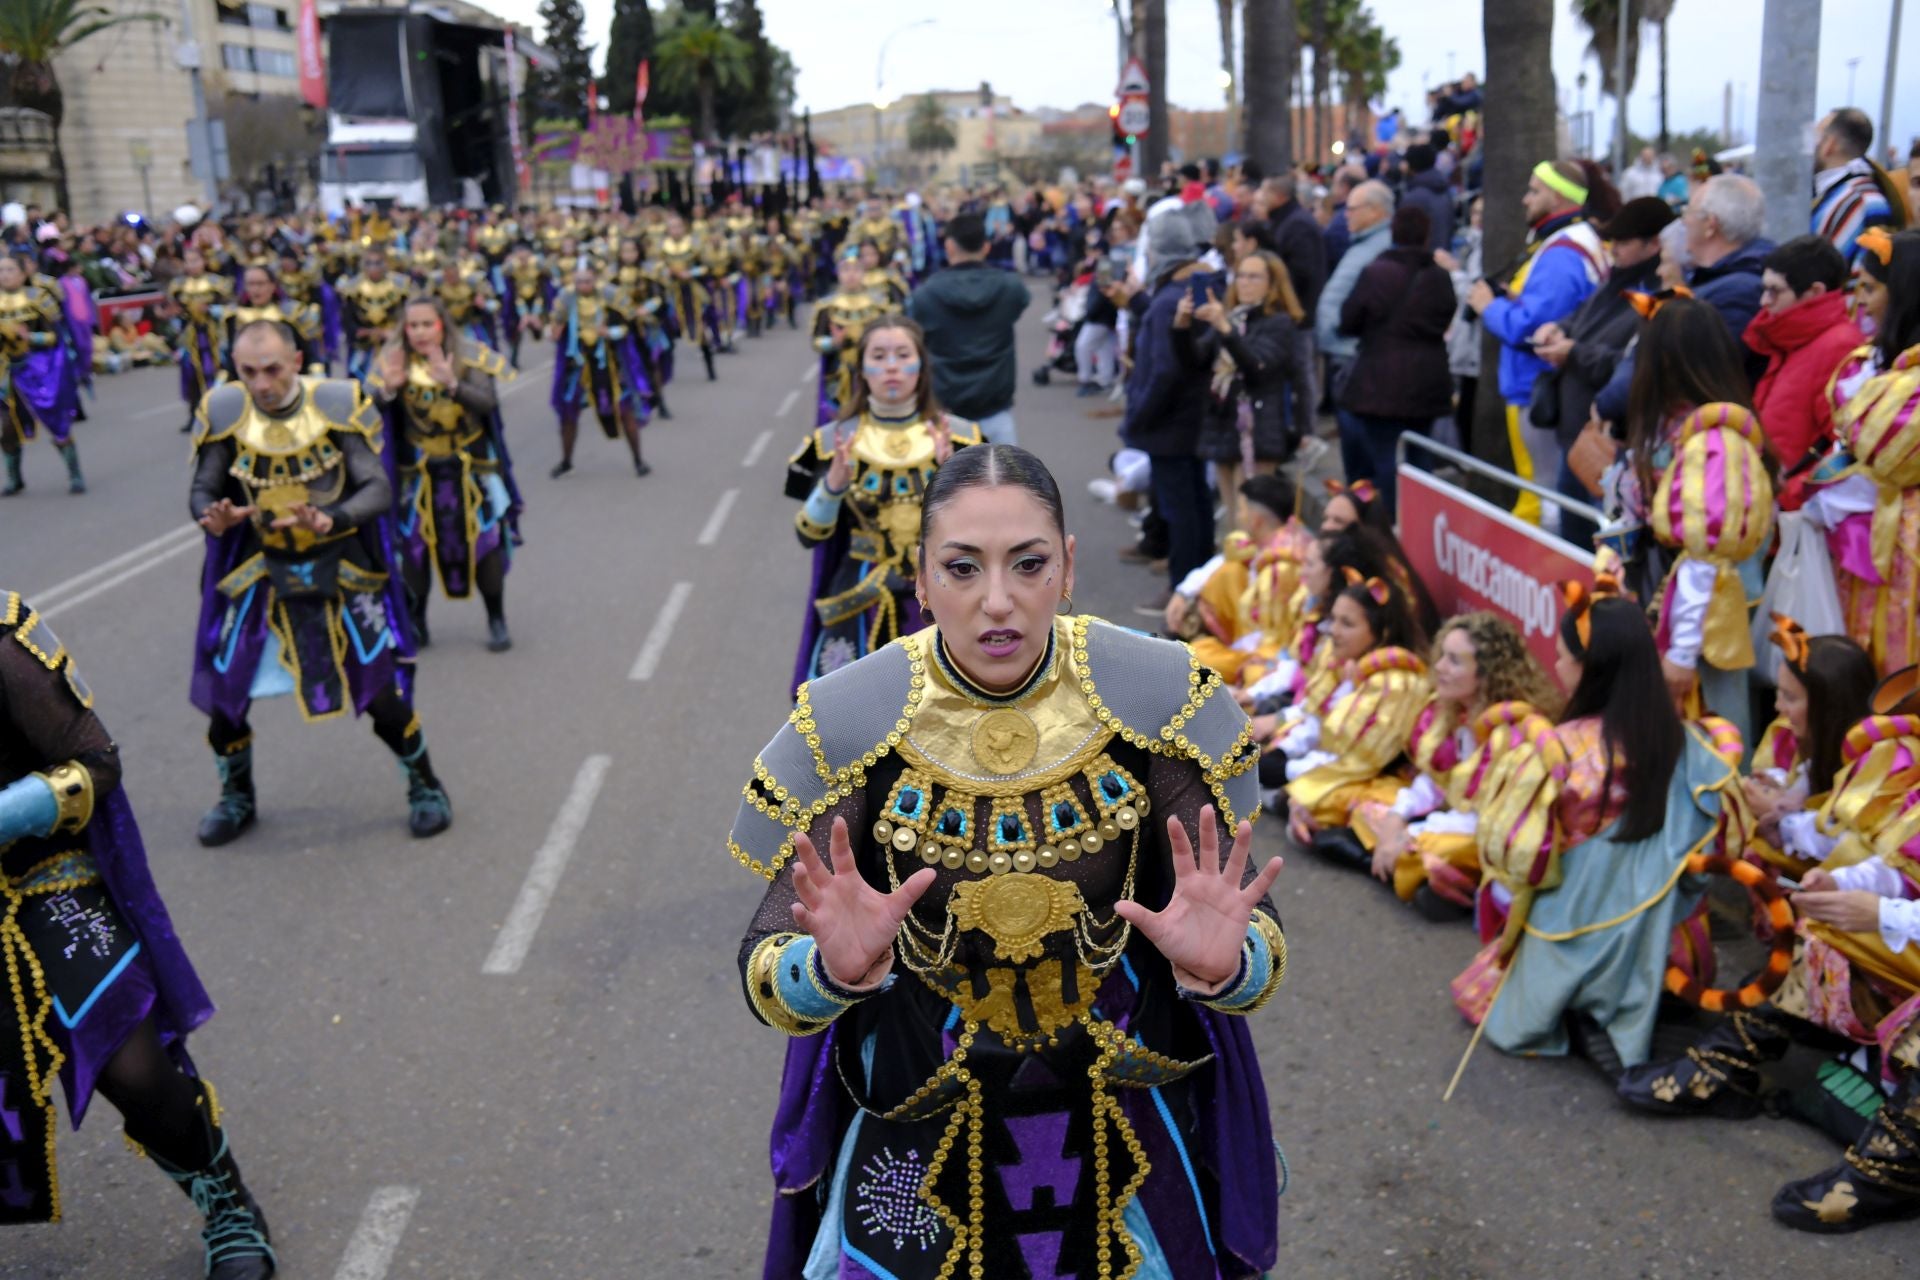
x=596, y=361
x=861, y=479
x=202, y=295
x=457, y=506
x=39, y=381
x=1014, y=999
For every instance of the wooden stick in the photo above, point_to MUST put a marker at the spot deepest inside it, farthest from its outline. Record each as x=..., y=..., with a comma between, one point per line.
x=1478, y=1031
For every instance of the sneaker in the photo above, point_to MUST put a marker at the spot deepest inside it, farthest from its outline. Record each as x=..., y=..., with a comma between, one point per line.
x=1087, y=389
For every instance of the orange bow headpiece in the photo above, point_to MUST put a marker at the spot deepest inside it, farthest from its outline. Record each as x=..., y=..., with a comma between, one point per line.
x=1876, y=241
x=1362, y=492
x=1649, y=304
x=1376, y=588
x=1793, y=642
x=1579, y=599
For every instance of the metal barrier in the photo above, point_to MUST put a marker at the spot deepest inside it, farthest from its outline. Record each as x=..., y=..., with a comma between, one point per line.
x=1472, y=554
x=1468, y=462
x=104, y=307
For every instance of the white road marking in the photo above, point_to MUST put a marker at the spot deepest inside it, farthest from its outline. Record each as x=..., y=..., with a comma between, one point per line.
x=656, y=643
x=189, y=542
x=718, y=520
x=759, y=446
x=786, y=404
x=516, y=935
x=125, y=557
x=811, y=372
x=376, y=1239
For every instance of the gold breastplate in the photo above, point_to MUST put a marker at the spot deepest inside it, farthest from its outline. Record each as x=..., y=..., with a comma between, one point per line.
x=458, y=299
x=244, y=315
x=285, y=462
x=17, y=317
x=197, y=294
x=436, y=423
x=592, y=320
x=376, y=299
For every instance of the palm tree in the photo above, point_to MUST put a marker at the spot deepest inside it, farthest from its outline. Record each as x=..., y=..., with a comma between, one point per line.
x=32, y=34
x=1518, y=38
x=1657, y=12
x=1268, y=75
x=1153, y=149
x=927, y=128
x=1601, y=18
x=1365, y=56
x=700, y=56
x=1322, y=73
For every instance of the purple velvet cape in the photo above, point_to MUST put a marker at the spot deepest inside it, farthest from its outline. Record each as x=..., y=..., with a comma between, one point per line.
x=50, y=385
x=179, y=1003
x=1234, y=1141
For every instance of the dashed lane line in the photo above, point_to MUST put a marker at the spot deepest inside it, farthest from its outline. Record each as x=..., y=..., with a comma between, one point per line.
x=717, y=521
x=655, y=646
x=377, y=1238
x=543, y=877
x=759, y=446
x=787, y=404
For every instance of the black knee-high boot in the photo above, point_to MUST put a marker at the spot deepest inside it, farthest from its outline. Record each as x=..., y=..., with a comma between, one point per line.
x=237, y=1241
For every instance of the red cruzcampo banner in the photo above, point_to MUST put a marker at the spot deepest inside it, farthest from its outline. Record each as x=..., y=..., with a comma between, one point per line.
x=313, y=70
x=1472, y=555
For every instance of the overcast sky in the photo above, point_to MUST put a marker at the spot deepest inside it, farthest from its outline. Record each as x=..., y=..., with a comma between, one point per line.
x=1064, y=52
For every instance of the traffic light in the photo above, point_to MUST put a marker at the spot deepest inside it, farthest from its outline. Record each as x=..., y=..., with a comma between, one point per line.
x=1120, y=138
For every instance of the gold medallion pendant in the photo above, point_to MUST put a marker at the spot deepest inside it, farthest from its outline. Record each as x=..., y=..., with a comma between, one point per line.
x=1005, y=740
x=278, y=436
x=1017, y=911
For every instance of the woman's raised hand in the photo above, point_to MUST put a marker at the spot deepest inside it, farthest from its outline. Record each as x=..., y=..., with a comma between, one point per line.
x=852, y=923
x=840, y=469
x=1205, y=921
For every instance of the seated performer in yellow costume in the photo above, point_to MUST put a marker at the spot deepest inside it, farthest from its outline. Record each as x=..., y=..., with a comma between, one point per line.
x=1422, y=841
x=1351, y=748
x=1234, y=608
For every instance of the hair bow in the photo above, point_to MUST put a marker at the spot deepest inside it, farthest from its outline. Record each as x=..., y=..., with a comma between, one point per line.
x=1375, y=588
x=1361, y=491
x=1793, y=642
x=1649, y=304
x=1876, y=241
x=1579, y=599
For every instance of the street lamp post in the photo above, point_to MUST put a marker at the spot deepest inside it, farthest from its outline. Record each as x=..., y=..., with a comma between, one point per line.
x=879, y=85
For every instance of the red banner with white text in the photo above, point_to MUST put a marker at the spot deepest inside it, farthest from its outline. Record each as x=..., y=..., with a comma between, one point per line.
x=1472, y=555
x=313, y=67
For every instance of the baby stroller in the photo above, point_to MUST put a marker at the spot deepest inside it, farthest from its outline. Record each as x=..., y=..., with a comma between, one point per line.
x=1063, y=323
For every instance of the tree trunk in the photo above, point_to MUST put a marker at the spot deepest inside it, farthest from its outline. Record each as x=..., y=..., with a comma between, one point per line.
x=1232, y=86
x=1519, y=93
x=703, y=96
x=1322, y=78
x=1153, y=150
x=1268, y=76
x=1665, y=138
x=35, y=86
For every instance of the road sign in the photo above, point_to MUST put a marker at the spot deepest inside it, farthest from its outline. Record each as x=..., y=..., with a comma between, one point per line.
x=1133, y=79
x=1123, y=168
x=1134, y=117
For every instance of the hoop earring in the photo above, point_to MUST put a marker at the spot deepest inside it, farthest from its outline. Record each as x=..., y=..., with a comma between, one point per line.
x=1066, y=603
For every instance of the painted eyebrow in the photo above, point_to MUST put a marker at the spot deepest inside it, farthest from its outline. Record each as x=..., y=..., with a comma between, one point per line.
x=1029, y=545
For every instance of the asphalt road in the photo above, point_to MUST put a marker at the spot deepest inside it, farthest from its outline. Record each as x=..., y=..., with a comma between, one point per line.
x=424, y=1075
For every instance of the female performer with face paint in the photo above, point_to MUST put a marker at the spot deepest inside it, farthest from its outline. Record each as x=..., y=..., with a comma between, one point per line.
x=1012, y=997
x=861, y=479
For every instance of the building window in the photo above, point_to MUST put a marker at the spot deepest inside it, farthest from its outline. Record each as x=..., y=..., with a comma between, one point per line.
x=263, y=17
x=266, y=62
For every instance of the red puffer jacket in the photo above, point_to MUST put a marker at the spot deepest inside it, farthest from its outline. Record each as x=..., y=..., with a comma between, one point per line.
x=1803, y=345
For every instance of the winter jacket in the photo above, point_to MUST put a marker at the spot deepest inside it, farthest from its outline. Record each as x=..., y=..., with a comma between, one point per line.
x=1166, y=389
x=1263, y=362
x=1303, y=247
x=1338, y=237
x=1363, y=249
x=1562, y=272
x=1803, y=346
x=1730, y=286
x=1399, y=311
x=1601, y=330
x=1430, y=193
x=968, y=311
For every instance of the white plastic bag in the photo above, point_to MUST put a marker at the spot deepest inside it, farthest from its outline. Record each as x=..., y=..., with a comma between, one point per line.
x=1801, y=586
